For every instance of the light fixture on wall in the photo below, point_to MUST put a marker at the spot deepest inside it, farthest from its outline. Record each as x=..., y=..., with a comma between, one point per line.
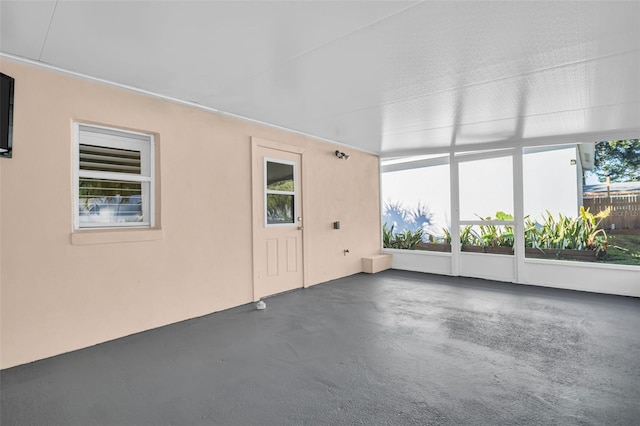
x=342, y=155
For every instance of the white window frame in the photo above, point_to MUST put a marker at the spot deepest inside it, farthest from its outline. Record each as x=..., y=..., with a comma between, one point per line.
x=271, y=191
x=121, y=139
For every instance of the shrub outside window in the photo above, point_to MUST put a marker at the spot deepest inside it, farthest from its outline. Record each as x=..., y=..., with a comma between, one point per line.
x=114, y=183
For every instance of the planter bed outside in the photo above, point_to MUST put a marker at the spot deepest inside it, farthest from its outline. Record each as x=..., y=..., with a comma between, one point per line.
x=487, y=249
x=566, y=254
x=434, y=247
x=581, y=255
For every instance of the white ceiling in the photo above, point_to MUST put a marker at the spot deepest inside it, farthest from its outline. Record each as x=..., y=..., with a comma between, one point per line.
x=388, y=77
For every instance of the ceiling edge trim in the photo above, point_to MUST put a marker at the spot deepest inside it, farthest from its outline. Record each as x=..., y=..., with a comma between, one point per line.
x=574, y=138
x=178, y=101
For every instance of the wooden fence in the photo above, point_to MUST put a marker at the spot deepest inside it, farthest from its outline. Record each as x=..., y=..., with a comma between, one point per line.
x=625, y=210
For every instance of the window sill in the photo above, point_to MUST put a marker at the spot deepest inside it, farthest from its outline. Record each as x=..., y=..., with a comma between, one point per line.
x=111, y=236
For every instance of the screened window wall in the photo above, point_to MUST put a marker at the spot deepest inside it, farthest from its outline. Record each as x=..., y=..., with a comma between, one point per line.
x=527, y=201
x=416, y=212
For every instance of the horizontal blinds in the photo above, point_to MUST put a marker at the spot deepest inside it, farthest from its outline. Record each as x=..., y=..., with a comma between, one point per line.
x=104, y=159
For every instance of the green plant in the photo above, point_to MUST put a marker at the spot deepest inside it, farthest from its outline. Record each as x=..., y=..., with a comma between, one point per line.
x=406, y=240
x=497, y=235
x=487, y=235
x=387, y=236
x=581, y=233
x=595, y=237
x=468, y=236
x=447, y=235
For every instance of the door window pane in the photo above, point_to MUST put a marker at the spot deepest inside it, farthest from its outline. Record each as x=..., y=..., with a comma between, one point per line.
x=279, y=177
x=279, y=208
x=280, y=192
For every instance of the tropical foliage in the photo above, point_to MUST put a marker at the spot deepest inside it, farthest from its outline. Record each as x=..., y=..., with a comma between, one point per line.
x=557, y=233
x=581, y=233
x=407, y=240
x=490, y=235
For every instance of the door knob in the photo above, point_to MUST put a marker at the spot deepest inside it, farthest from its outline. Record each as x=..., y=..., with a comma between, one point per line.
x=300, y=228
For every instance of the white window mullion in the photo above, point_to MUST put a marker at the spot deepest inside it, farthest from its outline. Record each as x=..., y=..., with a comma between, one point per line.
x=455, y=214
x=518, y=213
x=113, y=176
x=273, y=191
x=486, y=222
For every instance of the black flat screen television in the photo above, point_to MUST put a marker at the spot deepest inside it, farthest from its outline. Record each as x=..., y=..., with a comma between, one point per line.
x=6, y=115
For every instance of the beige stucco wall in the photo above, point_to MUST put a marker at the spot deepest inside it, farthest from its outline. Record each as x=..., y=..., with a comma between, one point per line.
x=57, y=296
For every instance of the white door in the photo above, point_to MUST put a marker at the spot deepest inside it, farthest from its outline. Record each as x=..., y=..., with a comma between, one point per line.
x=277, y=219
x=484, y=187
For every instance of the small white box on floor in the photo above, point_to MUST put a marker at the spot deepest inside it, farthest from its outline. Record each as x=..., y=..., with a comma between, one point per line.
x=376, y=263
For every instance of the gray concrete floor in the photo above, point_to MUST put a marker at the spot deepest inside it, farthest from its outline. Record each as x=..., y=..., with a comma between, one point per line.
x=396, y=348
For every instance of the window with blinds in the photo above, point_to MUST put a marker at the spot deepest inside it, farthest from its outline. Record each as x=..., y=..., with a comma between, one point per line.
x=114, y=184
x=109, y=159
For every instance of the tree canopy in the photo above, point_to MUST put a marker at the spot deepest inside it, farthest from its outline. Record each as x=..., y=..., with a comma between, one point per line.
x=618, y=159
